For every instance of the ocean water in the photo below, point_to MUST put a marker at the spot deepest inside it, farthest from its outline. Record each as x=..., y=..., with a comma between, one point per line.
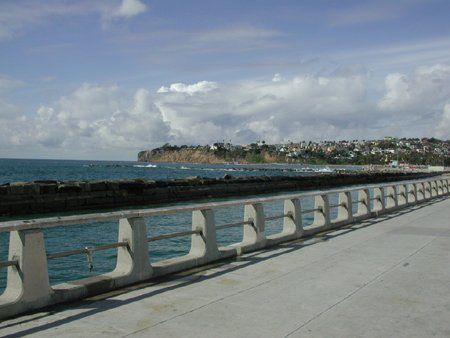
x=94, y=234
x=20, y=170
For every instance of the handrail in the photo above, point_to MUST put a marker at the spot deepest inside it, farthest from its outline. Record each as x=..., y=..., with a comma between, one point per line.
x=271, y=218
x=307, y=211
x=337, y=205
x=86, y=250
x=51, y=222
x=175, y=234
x=231, y=225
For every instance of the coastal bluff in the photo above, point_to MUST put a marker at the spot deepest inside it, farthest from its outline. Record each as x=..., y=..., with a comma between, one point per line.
x=179, y=156
x=43, y=197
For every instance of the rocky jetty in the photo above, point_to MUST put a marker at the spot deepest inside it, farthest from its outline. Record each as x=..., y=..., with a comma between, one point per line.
x=41, y=197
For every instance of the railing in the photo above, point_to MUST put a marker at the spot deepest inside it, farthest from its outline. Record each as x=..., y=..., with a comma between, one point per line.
x=28, y=284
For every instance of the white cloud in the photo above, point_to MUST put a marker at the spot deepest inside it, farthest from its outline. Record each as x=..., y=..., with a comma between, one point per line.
x=100, y=118
x=273, y=111
x=443, y=128
x=199, y=87
x=277, y=77
x=428, y=86
x=130, y=8
x=17, y=17
x=93, y=117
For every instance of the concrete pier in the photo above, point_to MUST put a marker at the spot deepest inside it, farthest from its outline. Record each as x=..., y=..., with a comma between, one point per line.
x=385, y=276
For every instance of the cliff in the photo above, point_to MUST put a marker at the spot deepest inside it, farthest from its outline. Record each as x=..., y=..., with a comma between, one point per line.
x=202, y=155
x=181, y=155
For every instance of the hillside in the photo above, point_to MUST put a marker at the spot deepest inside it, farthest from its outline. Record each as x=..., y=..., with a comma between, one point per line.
x=182, y=156
x=386, y=151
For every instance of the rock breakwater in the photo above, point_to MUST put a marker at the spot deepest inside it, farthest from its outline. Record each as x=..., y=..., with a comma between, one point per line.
x=41, y=197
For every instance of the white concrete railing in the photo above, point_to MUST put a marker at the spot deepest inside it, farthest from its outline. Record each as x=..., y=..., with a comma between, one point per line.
x=28, y=284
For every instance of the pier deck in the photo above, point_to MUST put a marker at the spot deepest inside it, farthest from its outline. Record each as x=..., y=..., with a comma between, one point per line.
x=388, y=276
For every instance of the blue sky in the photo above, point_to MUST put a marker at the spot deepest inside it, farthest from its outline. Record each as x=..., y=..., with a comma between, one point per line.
x=105, y=79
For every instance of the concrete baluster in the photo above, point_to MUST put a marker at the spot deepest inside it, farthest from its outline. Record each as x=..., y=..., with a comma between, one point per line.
x=445, y=186
x=378, y=200
x=401, y=194
x=345, y=214
x=27, y=284
x=292, y=224
x=433, y=189
x=322, y=212
x=254, y=233
x=427, y=190
x=133, y=261
x=411, y=193
x=391, y=197
x=420, y=191
x=204, y=244
x=440, y=190
x=363, y=204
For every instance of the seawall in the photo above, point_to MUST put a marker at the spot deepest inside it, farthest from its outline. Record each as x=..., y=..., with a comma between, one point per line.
x=40, y=197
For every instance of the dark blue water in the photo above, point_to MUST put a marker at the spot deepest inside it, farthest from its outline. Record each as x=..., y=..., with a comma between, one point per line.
x=13, y=170
x=79, y=236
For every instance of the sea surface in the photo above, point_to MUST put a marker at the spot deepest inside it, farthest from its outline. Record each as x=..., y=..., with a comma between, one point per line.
x=94, y=234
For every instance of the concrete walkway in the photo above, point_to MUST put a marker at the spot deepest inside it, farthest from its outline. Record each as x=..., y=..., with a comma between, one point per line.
x=384, y=277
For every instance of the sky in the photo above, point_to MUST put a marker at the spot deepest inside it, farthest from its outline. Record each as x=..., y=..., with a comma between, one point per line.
x=105, y=79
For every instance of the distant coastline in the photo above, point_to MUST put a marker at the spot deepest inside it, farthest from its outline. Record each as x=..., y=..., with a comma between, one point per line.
x=404, y=153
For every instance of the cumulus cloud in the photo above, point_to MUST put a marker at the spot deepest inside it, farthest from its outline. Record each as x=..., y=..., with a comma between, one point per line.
x=130, y=8
x=443, y=129
x=339, y=106
x=199, y=87
x=92, y=117
x=427, y=86
x=277, y=77
x=274, y=111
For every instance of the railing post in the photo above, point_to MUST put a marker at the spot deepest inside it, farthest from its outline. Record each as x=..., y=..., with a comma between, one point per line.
x=433, y=186
x=27, y=283
x=204, y=244
x=438, y=187
x=292, y=224
x=401, y=194
x=378, y=200
x=427, y=190
x=391, y=197
x=133, y=261
x=363, y=204
x=254, y=233
x=420, y=191
x=411, y=193
x=345, y=213
x=322, y=214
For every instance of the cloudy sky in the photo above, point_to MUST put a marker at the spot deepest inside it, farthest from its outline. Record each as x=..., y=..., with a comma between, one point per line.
x=104, y=79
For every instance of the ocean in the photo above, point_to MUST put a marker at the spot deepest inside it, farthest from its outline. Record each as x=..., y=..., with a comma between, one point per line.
x=93, y=234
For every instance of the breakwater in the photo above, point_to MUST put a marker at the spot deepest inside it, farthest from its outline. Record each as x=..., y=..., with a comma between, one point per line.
x=38, y=197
